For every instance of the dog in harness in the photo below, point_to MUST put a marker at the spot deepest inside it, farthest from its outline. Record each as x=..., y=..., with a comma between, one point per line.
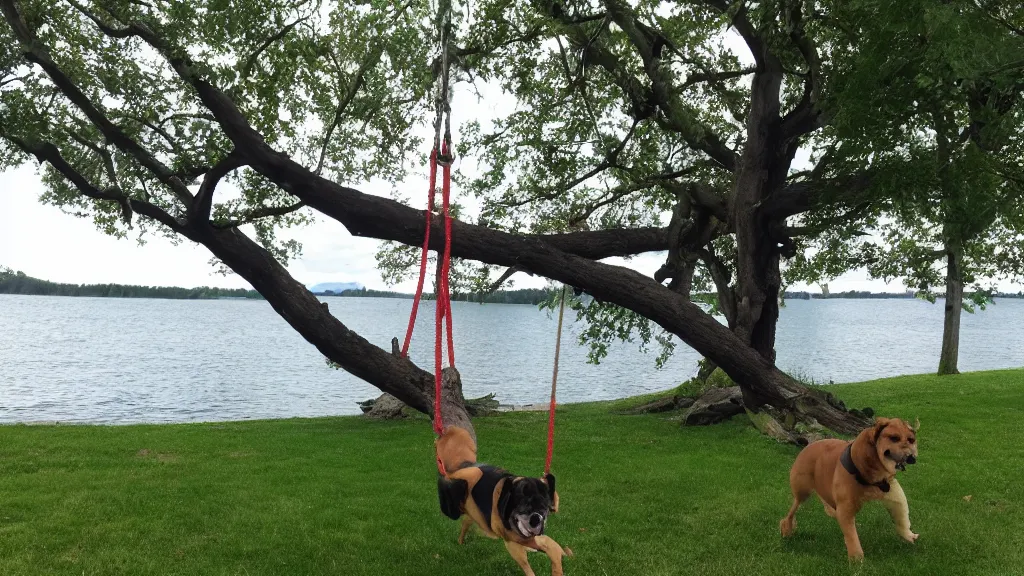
x=504, y=506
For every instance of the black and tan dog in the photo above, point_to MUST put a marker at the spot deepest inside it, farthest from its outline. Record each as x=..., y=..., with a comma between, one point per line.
x=845, y=475
x=507, y=507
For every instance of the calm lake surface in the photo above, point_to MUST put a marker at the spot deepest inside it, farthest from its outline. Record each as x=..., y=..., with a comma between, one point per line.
x=120, y=361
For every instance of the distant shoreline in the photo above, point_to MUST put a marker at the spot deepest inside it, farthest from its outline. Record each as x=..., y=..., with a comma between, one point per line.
x=18, y=283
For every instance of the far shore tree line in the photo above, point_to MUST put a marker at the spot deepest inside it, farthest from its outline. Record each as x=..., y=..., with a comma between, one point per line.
x=17, y=282
x=634, y=129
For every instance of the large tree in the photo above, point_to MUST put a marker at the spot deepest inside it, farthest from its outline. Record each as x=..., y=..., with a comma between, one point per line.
x=139, y=111
x=957, y=218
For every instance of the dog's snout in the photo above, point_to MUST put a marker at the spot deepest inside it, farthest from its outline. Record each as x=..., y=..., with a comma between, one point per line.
x=536, y=519
x=911, y=459
x=888, y=453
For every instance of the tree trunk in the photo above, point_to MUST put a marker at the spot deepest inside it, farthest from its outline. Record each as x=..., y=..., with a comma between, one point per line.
x=949, y=356
x=762, y=172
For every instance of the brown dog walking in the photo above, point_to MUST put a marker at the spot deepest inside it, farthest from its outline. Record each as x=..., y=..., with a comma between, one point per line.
x=845, y=475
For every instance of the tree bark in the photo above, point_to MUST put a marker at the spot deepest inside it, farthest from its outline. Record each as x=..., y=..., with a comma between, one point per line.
x=949, y=356
x=762, y=172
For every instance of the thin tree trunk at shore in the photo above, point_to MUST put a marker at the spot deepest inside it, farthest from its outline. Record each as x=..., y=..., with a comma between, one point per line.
x=949, y=357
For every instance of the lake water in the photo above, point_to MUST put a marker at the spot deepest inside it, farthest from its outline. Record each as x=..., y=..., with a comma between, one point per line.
x=120, y=361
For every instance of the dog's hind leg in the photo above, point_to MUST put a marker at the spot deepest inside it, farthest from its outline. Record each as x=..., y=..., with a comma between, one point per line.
x=788, y=524
x=518, y=553
x=896, y=502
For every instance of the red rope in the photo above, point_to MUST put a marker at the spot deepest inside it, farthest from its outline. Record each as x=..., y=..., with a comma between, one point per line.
x=554, y=387
x=446, y=189
x=423, y=257
x=443, y=309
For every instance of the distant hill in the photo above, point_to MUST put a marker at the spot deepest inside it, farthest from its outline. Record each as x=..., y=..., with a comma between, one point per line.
x=336, y=287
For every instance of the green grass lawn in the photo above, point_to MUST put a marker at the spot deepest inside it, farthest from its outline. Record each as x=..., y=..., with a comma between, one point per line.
x=639, y=494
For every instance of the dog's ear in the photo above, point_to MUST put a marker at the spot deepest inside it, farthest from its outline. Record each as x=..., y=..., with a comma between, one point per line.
x=880, y=424
x=917, y=425
x=451, y=494
x=549, y=479
x=505, y=500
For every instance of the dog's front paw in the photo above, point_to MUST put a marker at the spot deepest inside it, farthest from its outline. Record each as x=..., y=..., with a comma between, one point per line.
x=856, y=557
x=910, y=537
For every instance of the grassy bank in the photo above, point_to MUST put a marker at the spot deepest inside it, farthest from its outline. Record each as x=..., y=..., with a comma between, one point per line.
x=639, y=495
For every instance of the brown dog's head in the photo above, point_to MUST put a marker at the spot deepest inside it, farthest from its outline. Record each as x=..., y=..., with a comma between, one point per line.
x=524, y=504
x=896, y=442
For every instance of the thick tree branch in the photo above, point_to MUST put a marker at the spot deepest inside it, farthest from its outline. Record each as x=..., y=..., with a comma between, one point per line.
x=37, y=53
x=289, y=298
x=722, y=278
x=758, y=47
x=103, y=26
x=382, y=218
x=714, y=201
x=806, y=116
x=312, y=319
x=800, y=197
x=49, y=153
x=199, y=211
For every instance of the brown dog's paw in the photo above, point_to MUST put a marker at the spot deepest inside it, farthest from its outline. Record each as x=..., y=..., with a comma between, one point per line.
x=787, y=526
x=856, y=557
x=910, y=537
x=568, y=551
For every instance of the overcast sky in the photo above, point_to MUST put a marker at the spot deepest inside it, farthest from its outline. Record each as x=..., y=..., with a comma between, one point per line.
x=46, y=243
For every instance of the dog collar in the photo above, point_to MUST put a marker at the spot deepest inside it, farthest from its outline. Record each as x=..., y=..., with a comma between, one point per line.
x=847, y=461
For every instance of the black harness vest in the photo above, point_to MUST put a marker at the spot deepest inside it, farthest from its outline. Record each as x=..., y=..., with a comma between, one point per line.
x=483, y=491
x=847, y=461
